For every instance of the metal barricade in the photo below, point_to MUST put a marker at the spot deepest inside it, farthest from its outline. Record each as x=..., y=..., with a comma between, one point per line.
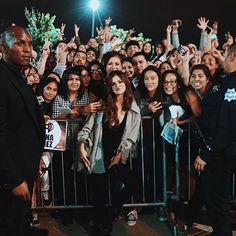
x=149, y=163
x=138, y=164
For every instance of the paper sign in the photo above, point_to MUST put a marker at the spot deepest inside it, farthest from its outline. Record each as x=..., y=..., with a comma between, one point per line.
x=55, y=136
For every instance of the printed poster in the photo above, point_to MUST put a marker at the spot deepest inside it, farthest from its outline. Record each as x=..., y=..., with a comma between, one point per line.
x=55, y=137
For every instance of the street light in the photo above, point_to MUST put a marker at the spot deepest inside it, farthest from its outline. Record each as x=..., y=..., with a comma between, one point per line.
x=94, y=4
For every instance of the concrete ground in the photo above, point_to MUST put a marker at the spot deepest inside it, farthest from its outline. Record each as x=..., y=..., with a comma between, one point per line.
x=147, y=225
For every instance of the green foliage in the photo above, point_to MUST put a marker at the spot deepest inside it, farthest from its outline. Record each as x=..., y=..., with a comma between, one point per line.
x=41, y=26
x=123, y=34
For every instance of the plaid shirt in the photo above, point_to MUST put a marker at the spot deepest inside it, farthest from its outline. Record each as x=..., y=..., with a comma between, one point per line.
x=73, y=125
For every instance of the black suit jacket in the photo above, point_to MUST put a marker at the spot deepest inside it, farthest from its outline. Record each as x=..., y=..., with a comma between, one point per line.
x=22, y=130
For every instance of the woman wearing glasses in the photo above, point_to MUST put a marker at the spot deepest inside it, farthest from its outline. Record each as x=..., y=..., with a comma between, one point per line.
x=183, y=108
x=182, y=96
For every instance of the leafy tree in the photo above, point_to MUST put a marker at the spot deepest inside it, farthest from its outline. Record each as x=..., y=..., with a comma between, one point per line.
x=41, y=25
x=123, y=34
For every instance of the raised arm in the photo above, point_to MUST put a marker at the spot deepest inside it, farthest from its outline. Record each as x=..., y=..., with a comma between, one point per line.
x=101, y=41
x=175, y=34
x=44, y=56
x=62, y=30
x=182, y=65
x=107, y=29
x=202, y=25
x=77, y=38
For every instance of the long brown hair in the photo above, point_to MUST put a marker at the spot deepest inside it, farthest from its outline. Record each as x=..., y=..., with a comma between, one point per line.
x=110, y=108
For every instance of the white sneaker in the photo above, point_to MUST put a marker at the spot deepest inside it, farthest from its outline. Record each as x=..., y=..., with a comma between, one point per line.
x=35, y=221
x=46, y=199
x=132, y=217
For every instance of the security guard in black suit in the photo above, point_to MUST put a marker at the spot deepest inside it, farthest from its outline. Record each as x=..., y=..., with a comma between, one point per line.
x=22, y=133
x=217, y=158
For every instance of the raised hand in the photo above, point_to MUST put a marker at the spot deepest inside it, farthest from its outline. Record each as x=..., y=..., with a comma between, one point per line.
x=46, y=47
x=108, y=21
x=70, y=45
x=101, y=34
x=169, y=28
x=62, y=29
x=76, y=29
x=202, y=23
x=132, y=31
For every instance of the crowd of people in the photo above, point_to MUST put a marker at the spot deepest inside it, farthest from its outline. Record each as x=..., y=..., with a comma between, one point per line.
x=108, y=85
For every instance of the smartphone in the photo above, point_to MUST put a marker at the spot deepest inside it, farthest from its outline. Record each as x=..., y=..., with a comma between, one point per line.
x=182, y=50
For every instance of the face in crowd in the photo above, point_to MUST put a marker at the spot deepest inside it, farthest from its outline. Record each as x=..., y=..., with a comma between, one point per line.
x=151, y=81
x=80, y=58
x=165, y=66
x=32, y=76
x=96, y=72
x=73, y=83
x=132, y=49
x=91, y=55
x=211, y=62
x=50, y=91
x=128, y=69
x=92, y=43
x=199, y=77
x=118, y=86
x=170, y=84
x=140, y=63
x=17, y=47
x=114, y=63
x=147, y=47
x=85, y=77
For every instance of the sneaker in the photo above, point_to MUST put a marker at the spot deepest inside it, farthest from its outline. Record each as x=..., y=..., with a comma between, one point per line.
x=162, y=216
x=132, y=217
x=46, y=199
x=34, y=222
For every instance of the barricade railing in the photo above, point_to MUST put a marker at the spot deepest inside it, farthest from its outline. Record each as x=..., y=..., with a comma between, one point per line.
x=151, y=163
x=139, y=160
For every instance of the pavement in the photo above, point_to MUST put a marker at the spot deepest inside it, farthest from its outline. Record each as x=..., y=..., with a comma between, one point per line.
x=147, y=225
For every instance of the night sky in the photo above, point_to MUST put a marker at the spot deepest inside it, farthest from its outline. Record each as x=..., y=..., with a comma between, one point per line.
x=150, y=16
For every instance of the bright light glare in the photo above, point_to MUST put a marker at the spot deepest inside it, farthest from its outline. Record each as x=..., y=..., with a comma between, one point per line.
x=94, y=4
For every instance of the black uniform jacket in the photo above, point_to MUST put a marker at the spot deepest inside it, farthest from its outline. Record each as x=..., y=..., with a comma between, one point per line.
x=22, y=130
x=218, y=121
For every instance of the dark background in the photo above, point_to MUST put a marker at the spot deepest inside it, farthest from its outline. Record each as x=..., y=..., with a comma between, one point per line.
x=150, y=16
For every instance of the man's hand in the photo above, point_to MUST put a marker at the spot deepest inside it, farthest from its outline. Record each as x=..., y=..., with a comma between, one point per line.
x=22, y=191
x=199, y=164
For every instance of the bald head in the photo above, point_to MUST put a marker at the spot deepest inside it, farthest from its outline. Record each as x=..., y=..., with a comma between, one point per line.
x=10, y=34
x=17, y=46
